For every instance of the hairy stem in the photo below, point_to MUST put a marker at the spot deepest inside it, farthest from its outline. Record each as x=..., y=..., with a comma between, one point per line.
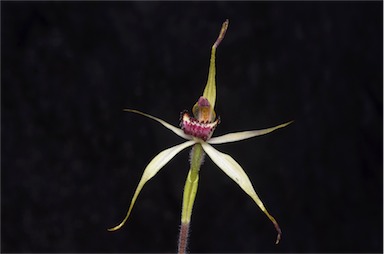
x=183, y=238
x=190, y=190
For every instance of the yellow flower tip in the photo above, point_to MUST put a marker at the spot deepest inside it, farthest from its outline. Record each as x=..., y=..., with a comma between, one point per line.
x=117, y=227
x=289, y=122
x=285, y=124
x=112, y=229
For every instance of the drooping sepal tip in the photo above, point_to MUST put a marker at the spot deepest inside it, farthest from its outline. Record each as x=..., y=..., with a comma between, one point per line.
x=278, y=233
x=277, y=227
x=210, y=88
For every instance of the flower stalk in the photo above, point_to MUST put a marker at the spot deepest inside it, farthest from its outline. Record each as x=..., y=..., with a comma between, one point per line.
x=190, y=190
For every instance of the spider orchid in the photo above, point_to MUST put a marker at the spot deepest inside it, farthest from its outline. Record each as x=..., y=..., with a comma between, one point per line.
x=197, y=130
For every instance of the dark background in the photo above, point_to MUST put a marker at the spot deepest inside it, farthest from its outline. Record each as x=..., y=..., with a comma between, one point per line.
x=71, y=158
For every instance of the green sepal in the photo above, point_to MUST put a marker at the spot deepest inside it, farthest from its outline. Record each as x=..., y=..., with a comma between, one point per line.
x=210, y=88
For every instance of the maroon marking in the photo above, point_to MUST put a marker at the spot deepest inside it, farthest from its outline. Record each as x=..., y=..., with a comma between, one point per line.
x=198, y=129
x=203, y=102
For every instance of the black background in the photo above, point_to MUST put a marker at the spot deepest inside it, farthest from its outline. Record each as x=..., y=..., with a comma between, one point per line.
x=71, y=158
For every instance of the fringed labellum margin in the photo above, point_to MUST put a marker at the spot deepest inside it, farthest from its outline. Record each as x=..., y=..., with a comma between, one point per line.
x=201, y=126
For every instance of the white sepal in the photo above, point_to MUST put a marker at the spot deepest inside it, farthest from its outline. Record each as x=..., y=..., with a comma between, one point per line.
x=237, y=136
x=236, y=172
x=179, y=132
x=151, y=170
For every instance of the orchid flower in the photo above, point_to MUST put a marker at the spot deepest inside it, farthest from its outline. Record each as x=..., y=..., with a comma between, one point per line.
x=197, y=130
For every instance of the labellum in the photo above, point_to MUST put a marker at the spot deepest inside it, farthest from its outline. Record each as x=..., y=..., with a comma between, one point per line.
x=201, y=125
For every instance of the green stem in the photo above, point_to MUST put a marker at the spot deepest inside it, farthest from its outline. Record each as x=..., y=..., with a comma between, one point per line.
x=190, y=190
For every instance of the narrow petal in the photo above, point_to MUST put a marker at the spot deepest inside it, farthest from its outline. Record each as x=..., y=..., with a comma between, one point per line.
x=179, y=132
x=237, y=136
x=235, y=171
x=151, y=170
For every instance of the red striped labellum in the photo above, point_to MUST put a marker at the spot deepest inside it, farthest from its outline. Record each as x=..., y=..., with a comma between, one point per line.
x=202, y=124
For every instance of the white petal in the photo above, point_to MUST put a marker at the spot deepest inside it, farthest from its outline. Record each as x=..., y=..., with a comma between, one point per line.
x=237, y=136
x=235, y=171
x=176, y=130
x=151, y=170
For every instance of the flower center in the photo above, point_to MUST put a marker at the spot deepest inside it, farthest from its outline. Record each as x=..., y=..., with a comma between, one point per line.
x=202, y=125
